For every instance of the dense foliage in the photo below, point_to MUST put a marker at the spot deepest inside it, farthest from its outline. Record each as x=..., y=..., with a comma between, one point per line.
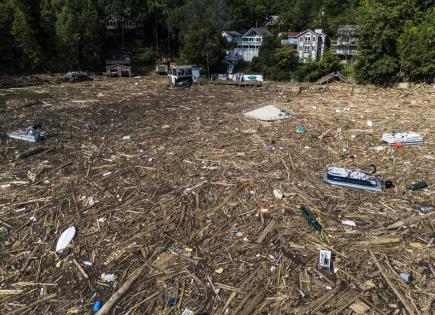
x=396, y=37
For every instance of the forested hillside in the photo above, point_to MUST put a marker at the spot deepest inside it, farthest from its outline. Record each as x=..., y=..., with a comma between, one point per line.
x=396, y=37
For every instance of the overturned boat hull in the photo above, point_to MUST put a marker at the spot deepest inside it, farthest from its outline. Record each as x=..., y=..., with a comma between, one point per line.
x=404, y=138
x=355, y=179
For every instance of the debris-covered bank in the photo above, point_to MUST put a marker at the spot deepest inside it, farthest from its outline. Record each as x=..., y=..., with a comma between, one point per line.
x=181, y=203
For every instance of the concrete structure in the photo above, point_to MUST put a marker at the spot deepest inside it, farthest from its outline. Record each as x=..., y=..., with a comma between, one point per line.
x=345, y=46
x=311, y=45
x=249, y=47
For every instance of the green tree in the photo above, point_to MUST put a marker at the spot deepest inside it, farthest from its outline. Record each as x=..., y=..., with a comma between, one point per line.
x=313, y=71
x=381, y=23
x=203, y=46
x=67, y=31
x=8, y=50
x=24, y=36
x=416, y=49
x=275, y=62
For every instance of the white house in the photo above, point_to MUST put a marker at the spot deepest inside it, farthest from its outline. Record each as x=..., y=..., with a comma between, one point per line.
x=118, y=22
x=232, y=36
x=249, y=46
x=293, y=38
x=311, y=45
x=345, y=46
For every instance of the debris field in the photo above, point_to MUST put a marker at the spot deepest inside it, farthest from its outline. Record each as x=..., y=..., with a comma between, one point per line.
x=180, y=202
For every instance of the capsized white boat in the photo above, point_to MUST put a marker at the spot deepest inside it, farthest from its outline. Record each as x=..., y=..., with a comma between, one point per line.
x=268, y=113
x=357, y=179
x=405, y=138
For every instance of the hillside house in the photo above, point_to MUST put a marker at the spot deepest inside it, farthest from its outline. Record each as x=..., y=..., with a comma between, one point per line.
x=232, y=36
x=114, y=23
x=345, y=46
x=272, y=21
x=249, y=46
x=311, y=45
x=293, y=38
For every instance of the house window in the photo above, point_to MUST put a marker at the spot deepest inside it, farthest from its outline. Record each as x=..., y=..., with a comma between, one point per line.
x=307, y=39
x=306, y=48
x=314, y=39
x=258, y=39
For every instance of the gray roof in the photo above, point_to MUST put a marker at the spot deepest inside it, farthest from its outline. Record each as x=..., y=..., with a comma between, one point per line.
x=262, y=31
x=232, y=33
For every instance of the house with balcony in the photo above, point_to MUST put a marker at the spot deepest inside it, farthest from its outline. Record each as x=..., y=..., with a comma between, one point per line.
x=114, y=22
x=345, y=45
x=232, y=36
x=293, y=38
x=249, y=45
x=311, y=45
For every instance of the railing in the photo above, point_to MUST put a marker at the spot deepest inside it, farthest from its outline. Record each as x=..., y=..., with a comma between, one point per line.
x=117, y=62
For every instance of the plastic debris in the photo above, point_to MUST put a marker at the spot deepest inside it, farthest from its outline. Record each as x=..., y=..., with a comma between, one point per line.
x=65, y=239
x=325, y=259
x=369, y=124
x=416, y=245
x=406, y=277
x=183, y=84
x=29, y=153
x=417, y=185
x=426, y=209
x=86, y=126
x=403, y=138
x=270, y=149
x=219, y=271
x=126, y=137
x=278, y=194
x=108, y=277
x=90, y=201
x=300, y=129
x=310, y=218
x=31, y=134
x=348, y=222
x=193, y=187
x=77, y=76
x=97, y=306
x=268, y=113
x=187, y=312
x=172, y=302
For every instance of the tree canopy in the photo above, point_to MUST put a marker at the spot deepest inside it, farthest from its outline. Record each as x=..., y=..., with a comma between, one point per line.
x=395, y=37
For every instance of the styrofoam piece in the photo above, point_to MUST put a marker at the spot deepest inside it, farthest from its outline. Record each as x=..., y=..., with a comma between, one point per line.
x=268, y=113
x=278, y=194
x=348, y=222
x=406, y=138
x=65, y=239
x=325, y=259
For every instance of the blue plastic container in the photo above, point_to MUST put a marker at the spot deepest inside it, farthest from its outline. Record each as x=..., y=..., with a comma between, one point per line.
x=406, y=277
x=97, y=306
